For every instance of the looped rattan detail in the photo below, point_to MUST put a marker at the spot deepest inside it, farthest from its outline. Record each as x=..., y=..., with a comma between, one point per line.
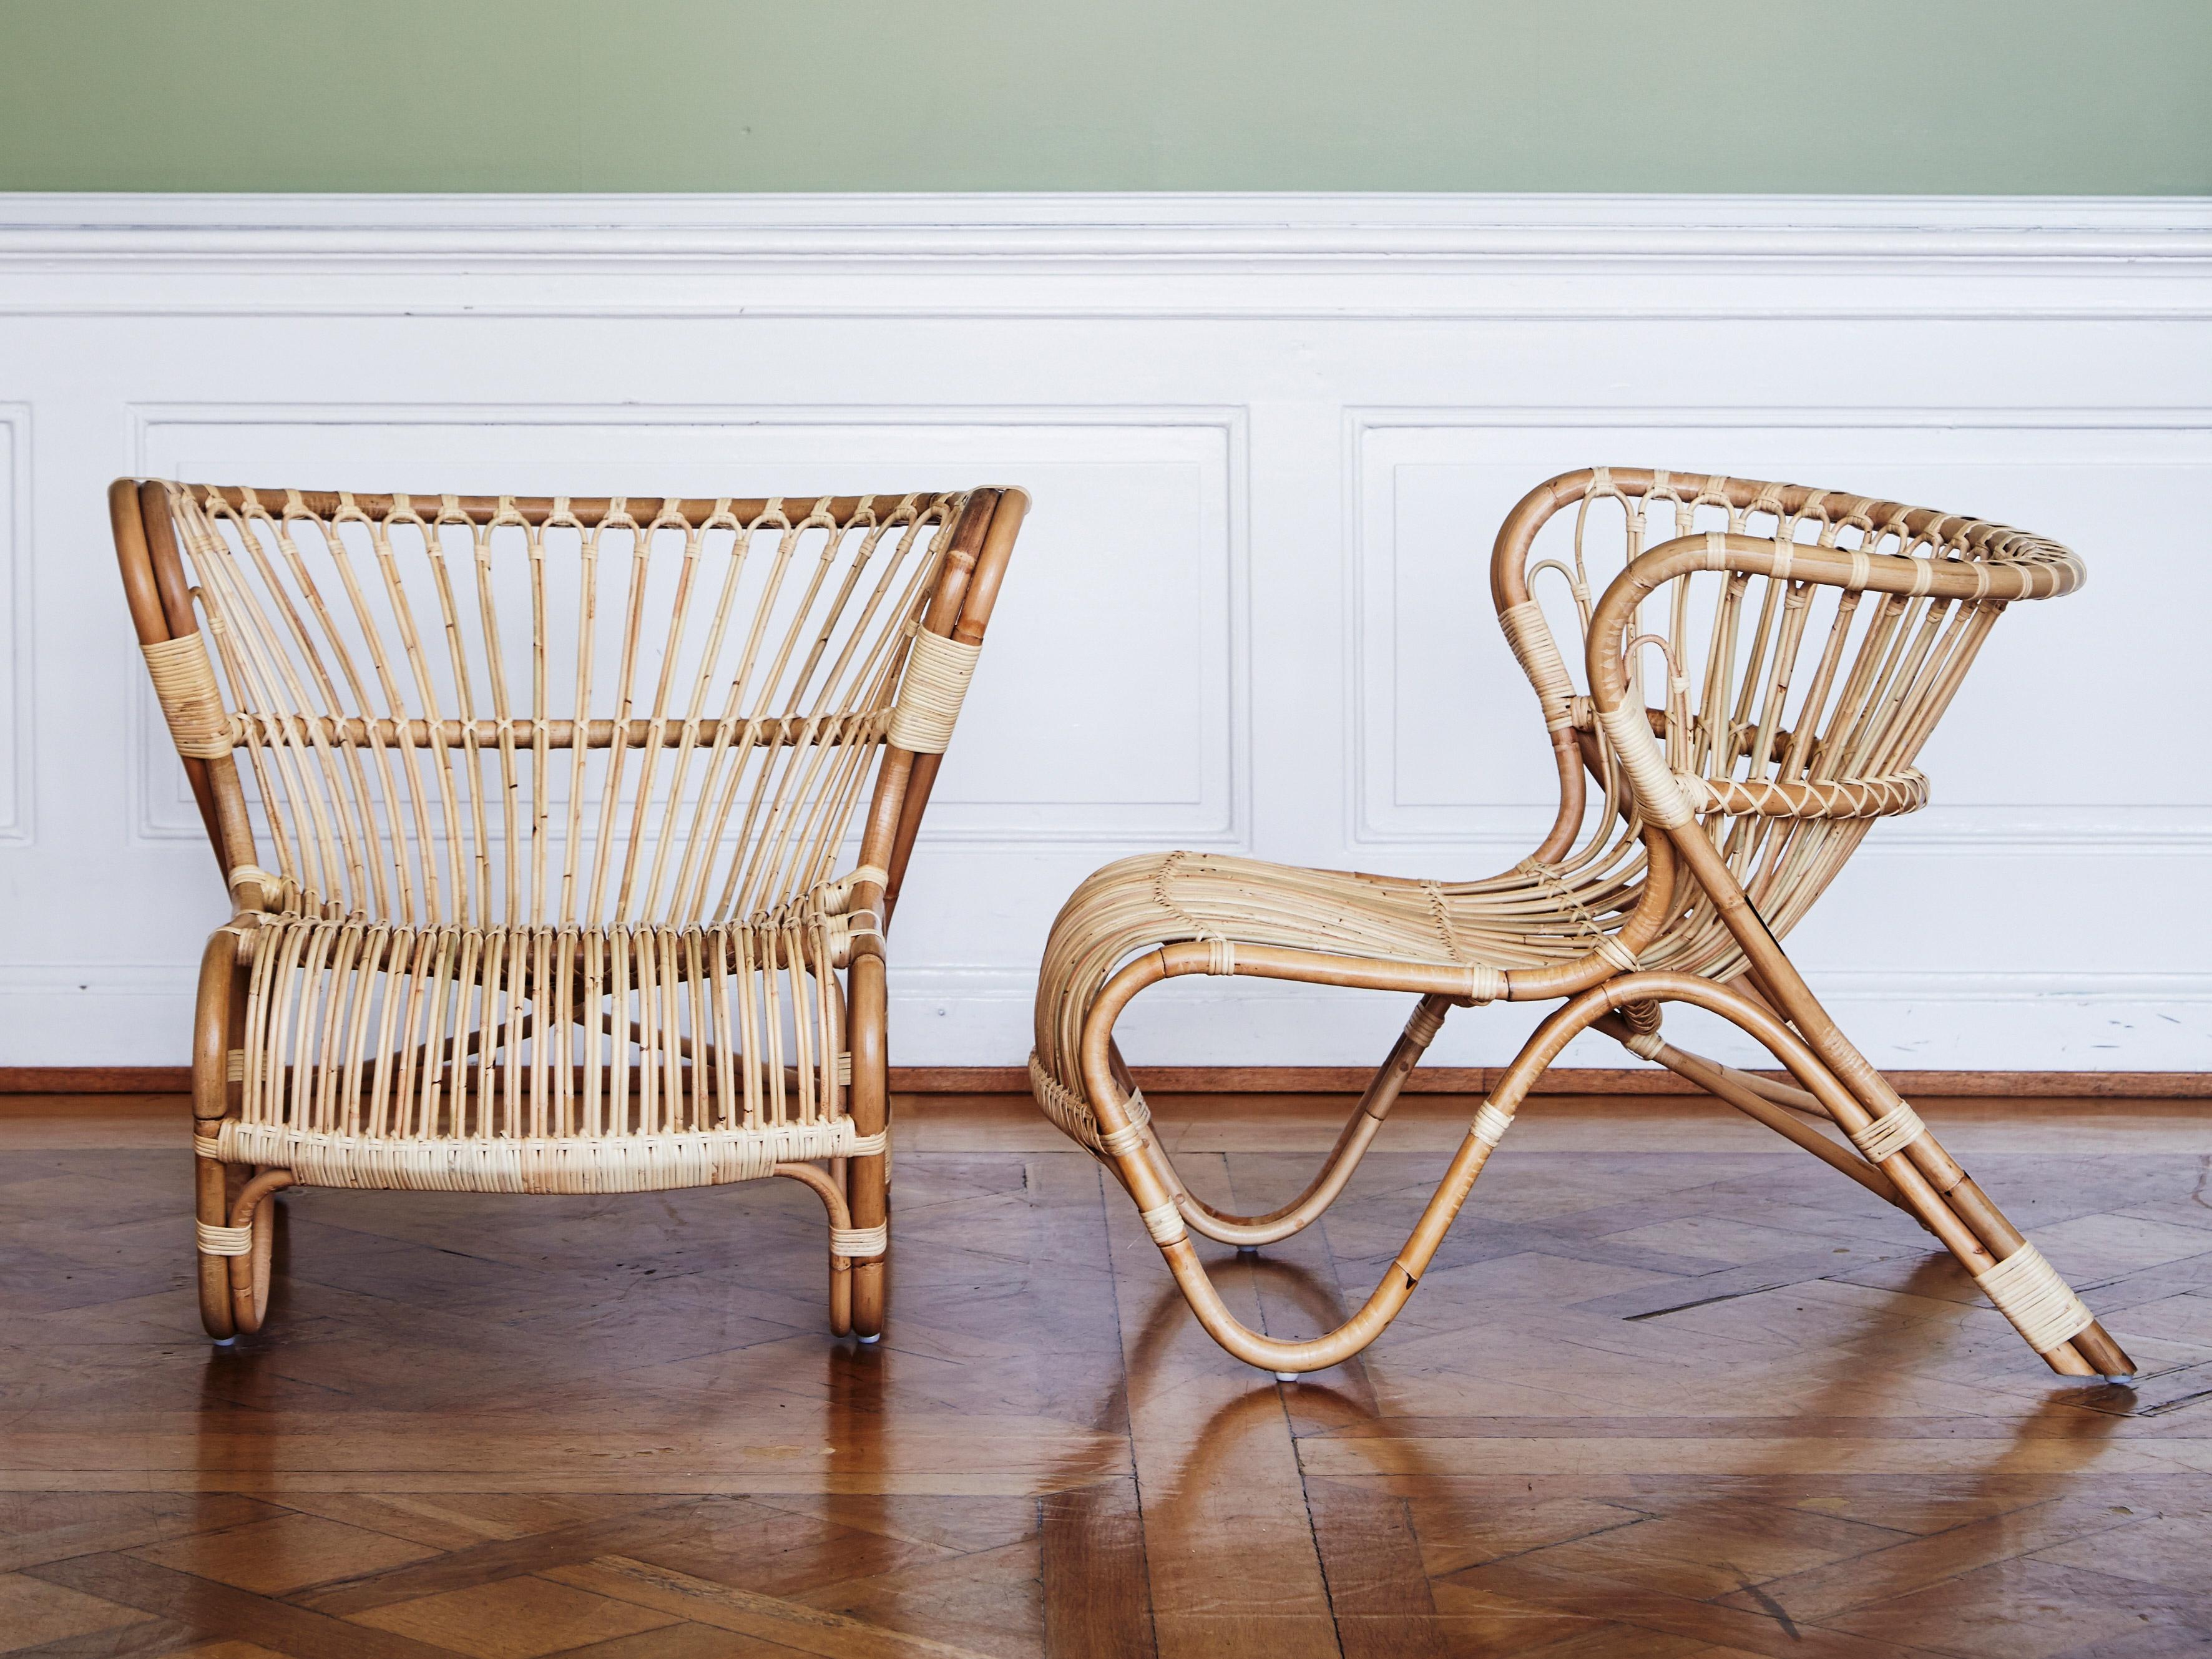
x=1890, y=1134
x=937, y=675
x=2028, y=1292
x=1490, y=1124
x=409, y=697
x=223, y=1241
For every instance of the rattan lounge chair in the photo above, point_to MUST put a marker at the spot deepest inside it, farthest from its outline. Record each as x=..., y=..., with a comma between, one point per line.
x=1803, y=646
x=535, y=816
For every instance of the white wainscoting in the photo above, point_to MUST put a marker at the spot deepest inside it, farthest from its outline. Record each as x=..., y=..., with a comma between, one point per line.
x=1269, y=440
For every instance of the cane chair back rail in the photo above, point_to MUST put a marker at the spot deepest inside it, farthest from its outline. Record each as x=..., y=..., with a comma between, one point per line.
x=1748, y=675
x=405, y=683
x=539, y=815
x=1774, y=668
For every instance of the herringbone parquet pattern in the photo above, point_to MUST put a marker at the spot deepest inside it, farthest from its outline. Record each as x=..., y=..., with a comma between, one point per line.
x=1670, y=1389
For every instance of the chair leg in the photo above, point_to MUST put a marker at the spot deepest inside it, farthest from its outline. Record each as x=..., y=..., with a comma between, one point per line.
x=1248, y=1232
x=829, y=1188
x=1162, y=1213
x=1929, y=1181
x=218, y=1022
x=2017, y=1279
x=253, y=1215
x=1734, y=1088
x=211, y=1211
x=867, y=1179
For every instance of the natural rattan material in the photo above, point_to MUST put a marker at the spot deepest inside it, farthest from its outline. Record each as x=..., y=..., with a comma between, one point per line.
x=2028, y=1292
x=1761, y=666
x=538, y=815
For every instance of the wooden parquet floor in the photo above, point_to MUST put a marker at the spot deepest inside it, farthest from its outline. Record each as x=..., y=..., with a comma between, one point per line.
x=1671, y=1390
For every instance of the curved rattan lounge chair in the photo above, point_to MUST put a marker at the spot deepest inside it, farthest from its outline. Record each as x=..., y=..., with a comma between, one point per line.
x=1804, y=645
x=534, y=814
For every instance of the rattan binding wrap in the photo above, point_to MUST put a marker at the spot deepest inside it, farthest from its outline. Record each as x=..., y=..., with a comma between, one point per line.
x=1072, y=1116
x=1890, y=1134
x=2028, y=1292
x=936, y=684
x=1848, y=797
x=1490, y=1124
x=222, y=1241
x=860, y=1241
x=1165, y=1224
x=192, y=702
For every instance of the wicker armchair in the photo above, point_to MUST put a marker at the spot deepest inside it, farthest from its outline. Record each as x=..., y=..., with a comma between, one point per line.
x=535, y=816
x=1803, y=647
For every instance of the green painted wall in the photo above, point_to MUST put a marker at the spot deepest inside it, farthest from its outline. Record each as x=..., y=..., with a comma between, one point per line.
x=2095, y=97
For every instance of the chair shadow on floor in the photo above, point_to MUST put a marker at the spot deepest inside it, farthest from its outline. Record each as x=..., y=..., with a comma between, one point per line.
x=1614, y=1575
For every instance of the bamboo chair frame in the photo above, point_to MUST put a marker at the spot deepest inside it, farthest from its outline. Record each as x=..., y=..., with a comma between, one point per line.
x=1731, y=788
x=458, y=959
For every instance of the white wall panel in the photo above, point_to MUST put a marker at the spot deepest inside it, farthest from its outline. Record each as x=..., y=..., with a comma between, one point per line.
x=16, y=710
x=1270, y=441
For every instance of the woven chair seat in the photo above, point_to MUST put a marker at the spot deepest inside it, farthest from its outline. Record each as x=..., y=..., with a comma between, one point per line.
x=352, y=1076
x=550, y=1163
x=1528, y=918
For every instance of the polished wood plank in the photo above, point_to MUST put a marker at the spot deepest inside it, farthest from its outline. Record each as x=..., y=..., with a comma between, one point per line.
x=1230, y=1551
x=1670, y=1389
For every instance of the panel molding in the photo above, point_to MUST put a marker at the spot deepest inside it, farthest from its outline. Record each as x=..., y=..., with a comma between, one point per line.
x=1193, y=255
x=18, y=676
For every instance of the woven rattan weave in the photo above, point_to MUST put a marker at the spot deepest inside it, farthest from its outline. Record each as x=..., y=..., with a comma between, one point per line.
x=538, y=818
x=1763, y=667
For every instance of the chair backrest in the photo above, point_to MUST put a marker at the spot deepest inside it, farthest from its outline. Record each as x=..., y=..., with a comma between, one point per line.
x=1763, y=658
x=501, y=711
